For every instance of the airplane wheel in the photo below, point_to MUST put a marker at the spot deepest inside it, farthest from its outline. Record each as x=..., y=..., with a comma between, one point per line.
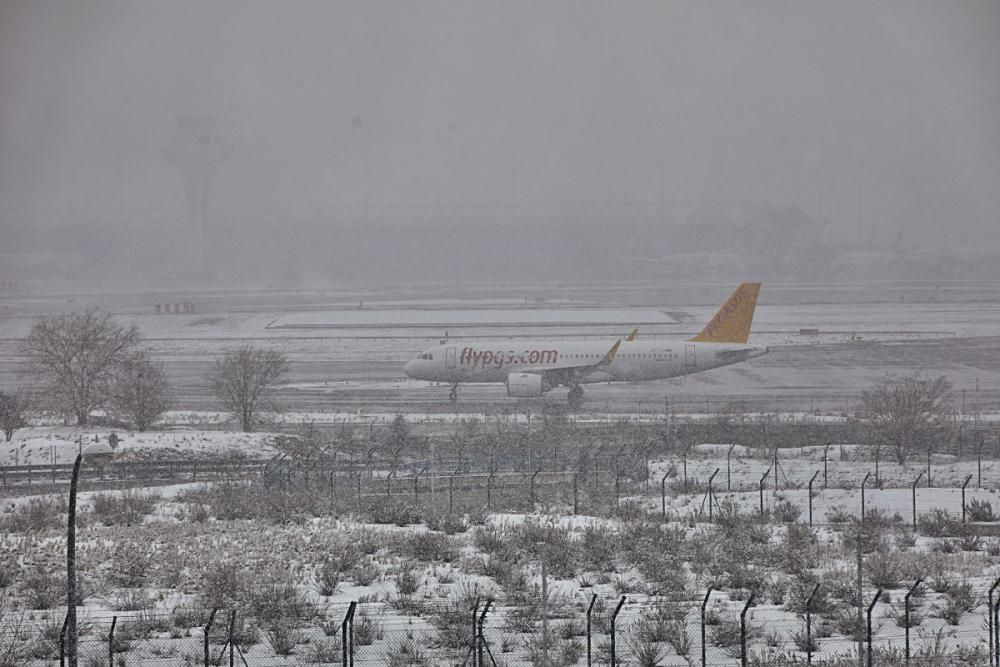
x=453, y=394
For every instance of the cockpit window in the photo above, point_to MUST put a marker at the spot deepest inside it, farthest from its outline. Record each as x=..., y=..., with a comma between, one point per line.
x=427, y=357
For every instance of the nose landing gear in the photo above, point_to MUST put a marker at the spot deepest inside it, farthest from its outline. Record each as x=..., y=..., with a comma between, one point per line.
x=453, y=394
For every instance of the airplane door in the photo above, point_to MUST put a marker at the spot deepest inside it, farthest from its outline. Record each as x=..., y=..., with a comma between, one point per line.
x=449, y=357
x=689, y=357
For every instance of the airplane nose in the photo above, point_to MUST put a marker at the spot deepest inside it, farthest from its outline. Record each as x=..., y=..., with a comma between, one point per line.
x=409, y=368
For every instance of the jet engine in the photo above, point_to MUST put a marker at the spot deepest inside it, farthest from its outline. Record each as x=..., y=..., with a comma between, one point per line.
x=526, y=385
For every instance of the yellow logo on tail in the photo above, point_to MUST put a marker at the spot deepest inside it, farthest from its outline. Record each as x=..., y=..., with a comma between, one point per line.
x=732, y=323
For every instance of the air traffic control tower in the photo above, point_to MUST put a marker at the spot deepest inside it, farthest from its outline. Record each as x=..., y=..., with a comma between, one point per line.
x=197, y=150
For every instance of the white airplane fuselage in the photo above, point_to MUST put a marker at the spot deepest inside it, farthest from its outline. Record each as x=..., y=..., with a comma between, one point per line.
x=634, y=361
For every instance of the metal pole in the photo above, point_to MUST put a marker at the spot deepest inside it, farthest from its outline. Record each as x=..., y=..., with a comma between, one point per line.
x=62, y=642
x=575, y=492
x=826, y=458
x=993, y=628
x=232, y=627
x=761, y=488
x=71, y=636
x=964, y=484
x=208, y=627
x=743, y=631
x=906, y=617
x=863, y=482
x=347, y=636
x=809, y=650
x=704, y=603
x=979, y=464
x=663, y=495
x=480, y=639
x=729, y=470
x=710, y=495
x=878, y=594
x=914, y=490
x=590, y=608
x=811, y=480
x=111, y=642
x=614, y=620
x=928, y=466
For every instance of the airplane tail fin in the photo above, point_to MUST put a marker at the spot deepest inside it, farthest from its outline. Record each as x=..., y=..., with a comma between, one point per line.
x=732, y=323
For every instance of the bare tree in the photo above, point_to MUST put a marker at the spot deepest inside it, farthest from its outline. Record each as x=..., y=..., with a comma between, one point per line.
x=244, y=379
x=907, y=413
x=12, y=409
x=140, y=390
x=76, y=357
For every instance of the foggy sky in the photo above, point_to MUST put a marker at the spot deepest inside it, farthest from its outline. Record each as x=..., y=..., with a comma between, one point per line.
x=332, y=103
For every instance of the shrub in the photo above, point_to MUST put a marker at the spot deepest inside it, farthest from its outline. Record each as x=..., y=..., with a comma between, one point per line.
x=328, y=577
x=126, y=508
x=959, y=600
x=980, y=510
x=284, y=637
x=364, y=574
x=938, y=523
x=430, y=547
x=884, y=568
x=130, y=564
x=786, y=511
x=43, y=589
x=366, y=629
x=325, y=650
x=37, y=514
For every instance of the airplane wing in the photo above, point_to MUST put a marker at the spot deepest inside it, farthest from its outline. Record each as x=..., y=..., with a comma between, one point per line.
x=566, y=374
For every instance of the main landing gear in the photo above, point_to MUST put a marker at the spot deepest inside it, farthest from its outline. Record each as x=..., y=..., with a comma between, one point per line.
x=575, y=396
x=453, y=394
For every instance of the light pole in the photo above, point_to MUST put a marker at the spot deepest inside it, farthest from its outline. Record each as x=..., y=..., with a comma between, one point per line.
x=99, y=454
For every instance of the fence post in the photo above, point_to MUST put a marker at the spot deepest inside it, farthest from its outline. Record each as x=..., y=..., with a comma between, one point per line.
x=208, y=627
x=614, y=620
x=704, y=603
x=906, y=618
x=489, y=491
x=729, y=470
x=474, y=649
x=480, y=639
x=914, y=490
x=979, y=466
x=863, y=482
x=868, y=634
x=826, y=459
x=996, y=632
x=743, y=631
x=347, y=636
x=813, y=479
x=684, y=458
x=62, y=642
x=711, y=496
x=663, y=495
x=928, y=465
x=809, y=638
x=993, y=628
x=111, y=642
x=760, y=485
x=964, y=484
x=576, y=475
x=232, y=628
x=451, y=491
x=532, y=487
x=590, y=608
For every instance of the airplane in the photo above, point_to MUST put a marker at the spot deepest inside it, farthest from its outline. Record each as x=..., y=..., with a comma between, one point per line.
x=530, y=369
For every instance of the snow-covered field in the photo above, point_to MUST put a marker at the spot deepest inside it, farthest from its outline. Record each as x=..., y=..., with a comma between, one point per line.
x=290, y=557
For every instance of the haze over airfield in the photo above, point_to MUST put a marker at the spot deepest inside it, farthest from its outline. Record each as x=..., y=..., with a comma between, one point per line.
x=880, y=111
